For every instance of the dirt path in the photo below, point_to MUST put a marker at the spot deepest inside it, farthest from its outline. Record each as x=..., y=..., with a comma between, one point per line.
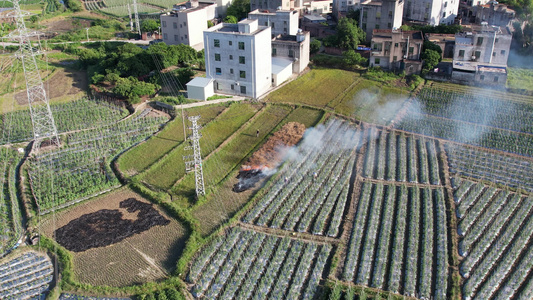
x=295, y=235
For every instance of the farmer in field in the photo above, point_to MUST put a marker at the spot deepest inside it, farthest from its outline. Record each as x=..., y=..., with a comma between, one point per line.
x=257, y=133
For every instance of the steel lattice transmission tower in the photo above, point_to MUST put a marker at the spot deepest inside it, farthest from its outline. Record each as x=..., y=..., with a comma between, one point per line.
x=137, y=26
x=129, y=15
x=196, y=162
x=41, y=116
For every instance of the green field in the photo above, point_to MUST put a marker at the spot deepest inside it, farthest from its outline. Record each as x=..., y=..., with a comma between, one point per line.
x=164, y=173
x=139, y=158
x=518, y=78
x=316, y=88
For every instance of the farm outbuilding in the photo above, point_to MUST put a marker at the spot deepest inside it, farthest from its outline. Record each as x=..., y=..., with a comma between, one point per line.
x=200, y=88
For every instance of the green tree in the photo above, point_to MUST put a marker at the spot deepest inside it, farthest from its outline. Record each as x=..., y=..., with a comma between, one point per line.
x=210, y=24
x=172, y=293
x=73, y=5
x=314, y=46
x=350, y=57
x=239, y=9
x=348, y=34
x=431, y=59
x=231, y=19
x=34, y=19
x=431, y=46
x=149, y=25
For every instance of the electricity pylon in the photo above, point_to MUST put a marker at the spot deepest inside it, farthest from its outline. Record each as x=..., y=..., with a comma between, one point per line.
x=129, y=15
x=137, y=26
x=41, y=116
x=196, y=162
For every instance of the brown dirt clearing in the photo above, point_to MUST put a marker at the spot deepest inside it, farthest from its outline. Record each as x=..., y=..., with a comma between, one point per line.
x=142, y=257
x=62, y=83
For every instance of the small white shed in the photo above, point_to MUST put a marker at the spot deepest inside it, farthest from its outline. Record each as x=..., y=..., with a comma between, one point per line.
x=200, y=88
x=281, y=70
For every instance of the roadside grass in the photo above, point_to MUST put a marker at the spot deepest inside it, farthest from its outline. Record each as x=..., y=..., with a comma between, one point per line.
x=164, y=173
x=518, y=78
x=369, y=101
x=144, y=155
x=221, y=203
x=316, y=88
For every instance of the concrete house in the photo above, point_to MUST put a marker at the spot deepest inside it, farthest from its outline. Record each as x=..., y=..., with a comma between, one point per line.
x=380, y=14
x=397, y=50
x=273, y=5
x=235, y=58
x=280, y=21
x=341, y=7
x=493, y=14
x=185, y=25
x=294, y=48
x=432, y=12
x=481, y=55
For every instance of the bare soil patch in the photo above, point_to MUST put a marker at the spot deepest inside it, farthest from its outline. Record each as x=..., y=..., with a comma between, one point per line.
x=143, y=256
x=62, y=83
x=65, y=24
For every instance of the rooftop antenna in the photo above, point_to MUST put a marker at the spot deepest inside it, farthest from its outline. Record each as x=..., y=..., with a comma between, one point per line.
x=196, y=162
x=41, y=116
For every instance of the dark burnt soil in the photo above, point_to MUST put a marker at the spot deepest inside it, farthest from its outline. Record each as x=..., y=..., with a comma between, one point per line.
x=248, y=179
x=107, y=226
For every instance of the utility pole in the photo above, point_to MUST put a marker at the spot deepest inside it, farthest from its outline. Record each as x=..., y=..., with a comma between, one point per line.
x=129, y=15
x=87, y=29
x=137, y=26
x=41, y=116
x=196, y=162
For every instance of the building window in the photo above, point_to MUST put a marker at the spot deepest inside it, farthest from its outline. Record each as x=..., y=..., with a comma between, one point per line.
x=291, y=53
x=496, y=40
x=185, y=36
x=493, y=53
x=182, y=38
x=377, y=61
x=243, y=89
x=285, y=22
x=217, y=56
x=395, y=45
x=377, y=26
x=480, y=41
x=389, y=25
x=165, y=36
x=242, y=60
x=241, y=45
x=482, y=77
x=377, y=46
x=230, y=43
x=273, y=51
x=164, y=23
x=445, y=4
x=378, y=15
x=502, y=52
x=216, y=43
x=364, y=26
x=218, y=86
x=218, y=71
x=231, y=71
x=461, y=53
x=444, y=14
x=394, y=58
x=477, y=54
x=175, y=37
x=365, y=15
x=242, y=74
x=495, y=78
x=411, y=50
x=273, y=25
x=185, y=24
x=174, y=25
x=232, y=87
x=230, y=57
x=181, y=26
x=390, y=14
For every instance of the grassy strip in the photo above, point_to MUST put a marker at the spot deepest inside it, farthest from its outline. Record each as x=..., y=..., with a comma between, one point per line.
x=316, y=88
x=369, y=101
x=304, y=115
x=143, y=156
x=519, y=78
x=226, y=159
x=167, y=171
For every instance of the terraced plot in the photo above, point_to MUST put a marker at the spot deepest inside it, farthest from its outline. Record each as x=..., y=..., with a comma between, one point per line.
x=399, y=241
x=245, y=264
x=26, y=275
x=311, y=191
x=497, y=231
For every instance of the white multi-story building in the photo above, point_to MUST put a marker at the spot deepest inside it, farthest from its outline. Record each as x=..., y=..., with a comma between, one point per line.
x=281, y=21
x=380, y=14
x=432, y=12
x=341, y=7
x=273, y=5
x=481, y=54
x=185, y=25
x=238, y=58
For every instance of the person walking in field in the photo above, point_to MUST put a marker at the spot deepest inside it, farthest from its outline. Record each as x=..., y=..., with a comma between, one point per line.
x=257, y=133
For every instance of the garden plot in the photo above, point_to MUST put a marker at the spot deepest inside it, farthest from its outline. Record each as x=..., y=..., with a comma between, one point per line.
x=27, y=275
x=80, y=114
x=399, y=241
x=500, y=124
x=397, y=157
x=10, y=213
x=512, y=171
x=81, y=167
x=311, y=191
x=245, y=264
x=496, y=227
